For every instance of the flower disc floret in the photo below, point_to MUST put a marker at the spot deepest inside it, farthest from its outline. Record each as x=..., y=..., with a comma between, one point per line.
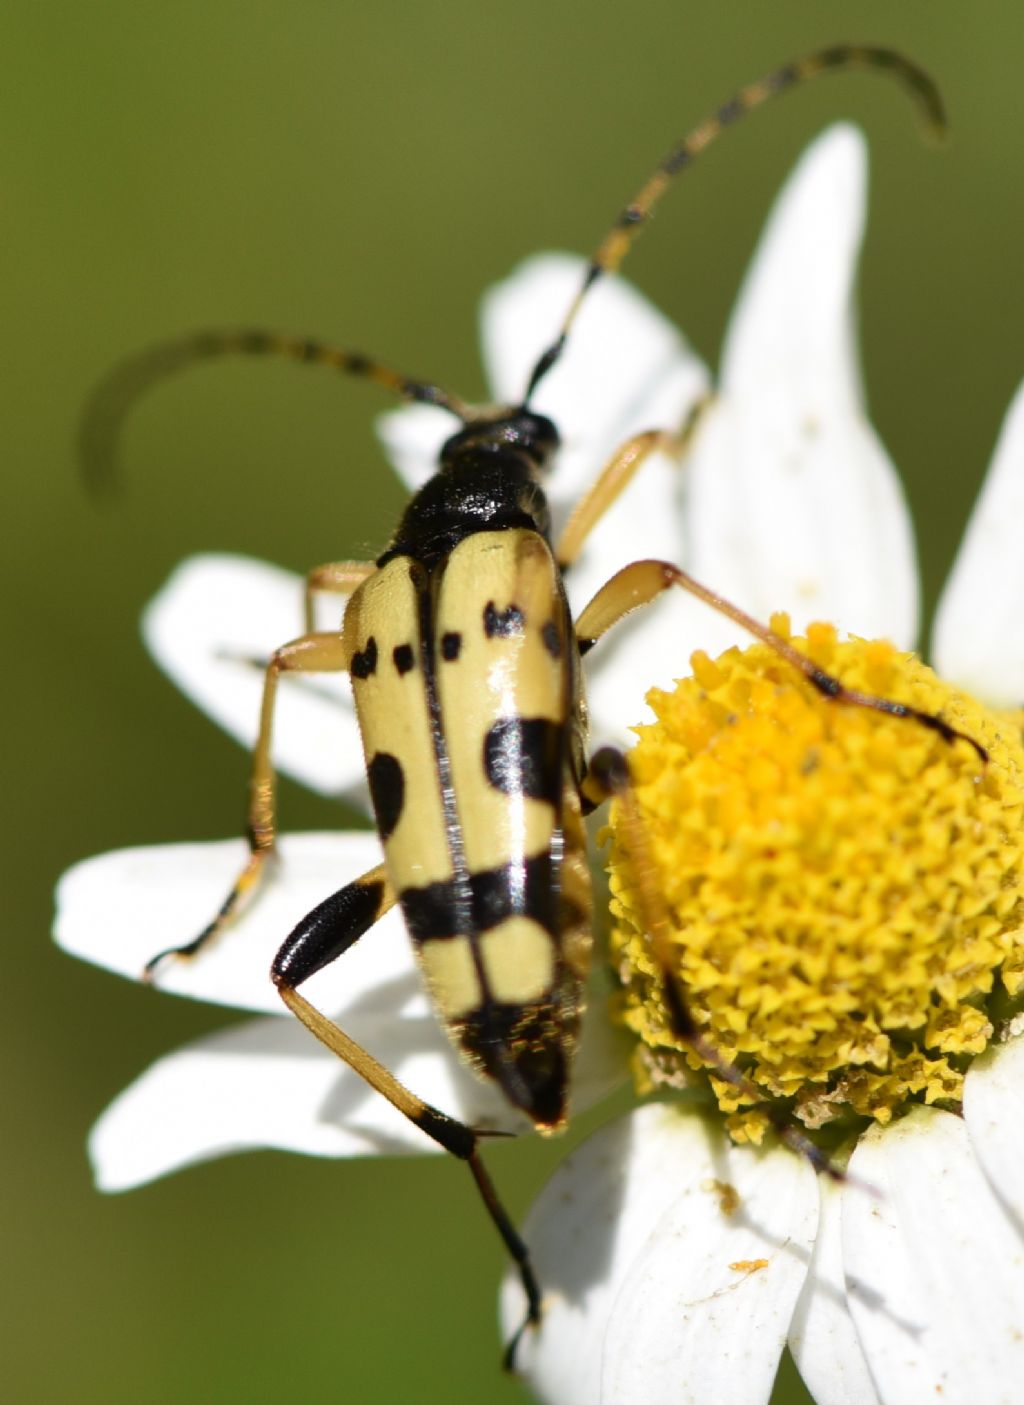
x=844, y=889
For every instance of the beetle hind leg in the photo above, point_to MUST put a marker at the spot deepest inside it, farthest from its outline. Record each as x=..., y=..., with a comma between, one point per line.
x=320, y=938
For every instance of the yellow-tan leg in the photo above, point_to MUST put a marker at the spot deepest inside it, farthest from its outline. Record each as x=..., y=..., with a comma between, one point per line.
x=608, y=775
x=312, y=653
x=642, y=581
x=334, y=578
x=450, y=1134
x=616, y=476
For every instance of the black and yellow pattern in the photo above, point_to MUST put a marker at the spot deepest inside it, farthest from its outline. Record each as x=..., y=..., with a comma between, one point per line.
x=467, y=693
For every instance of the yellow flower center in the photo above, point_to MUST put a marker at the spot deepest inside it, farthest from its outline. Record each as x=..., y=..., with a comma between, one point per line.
x=844, y=890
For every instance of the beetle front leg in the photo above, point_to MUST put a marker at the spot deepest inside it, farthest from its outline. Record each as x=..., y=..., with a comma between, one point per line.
x=617, y=474
x=312, y=653
x=643, y=581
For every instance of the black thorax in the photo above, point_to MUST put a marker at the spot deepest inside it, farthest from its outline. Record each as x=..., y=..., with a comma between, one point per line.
x=488, y=481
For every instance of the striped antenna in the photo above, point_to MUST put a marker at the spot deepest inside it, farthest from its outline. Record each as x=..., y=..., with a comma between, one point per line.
x=619, y=240
x=117, y=392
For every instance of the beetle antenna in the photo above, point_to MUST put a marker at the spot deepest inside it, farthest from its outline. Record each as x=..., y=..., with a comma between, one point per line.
x=131, y=378
x=618, y=241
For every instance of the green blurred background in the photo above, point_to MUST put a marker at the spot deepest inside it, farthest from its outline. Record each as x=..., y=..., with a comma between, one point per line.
x=361, y=176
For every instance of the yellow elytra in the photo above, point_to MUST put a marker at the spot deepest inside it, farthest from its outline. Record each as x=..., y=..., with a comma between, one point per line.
x=468, y=699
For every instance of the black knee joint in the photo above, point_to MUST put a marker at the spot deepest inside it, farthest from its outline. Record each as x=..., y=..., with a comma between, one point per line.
x=825, y=683
x=453, y=1136
x=683, y=1026
x=609, y=771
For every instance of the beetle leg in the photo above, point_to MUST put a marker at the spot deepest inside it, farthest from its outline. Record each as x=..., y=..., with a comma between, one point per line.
x=335, y=578
x=333, y=926
x=607, y=776
x=617, y=475
x=642, y=581
x=311, y=653
x=322, y=936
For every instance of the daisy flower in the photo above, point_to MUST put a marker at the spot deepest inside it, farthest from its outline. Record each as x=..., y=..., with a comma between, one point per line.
x=846, y=900
x=676, y=1261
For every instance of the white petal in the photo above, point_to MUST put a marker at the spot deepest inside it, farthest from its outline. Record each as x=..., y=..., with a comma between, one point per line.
x=652, y=1292
x=977, y=640
x=794, y=503
x=268, y=1083
x=412, y=439
x=216, y=616
x=994, y=1113
x=584, y=1232
x=120, y=909
x=935, y=1267
x=822, y=1337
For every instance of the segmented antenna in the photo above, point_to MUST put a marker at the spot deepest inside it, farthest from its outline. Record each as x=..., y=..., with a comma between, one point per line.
x=617, y=243
x=117, y=392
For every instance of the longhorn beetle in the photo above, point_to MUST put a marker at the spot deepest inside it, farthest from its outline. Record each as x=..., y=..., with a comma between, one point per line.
x=465, y=667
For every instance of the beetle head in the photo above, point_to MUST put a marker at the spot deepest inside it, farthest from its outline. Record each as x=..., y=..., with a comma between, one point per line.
x=507, y=427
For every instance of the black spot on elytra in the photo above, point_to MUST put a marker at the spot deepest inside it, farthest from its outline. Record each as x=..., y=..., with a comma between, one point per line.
x=500, y=624
x=403, y=657
x=522, y=756
x=451, y=646
x=552, y=639
x=387, y=791
x=364, y=661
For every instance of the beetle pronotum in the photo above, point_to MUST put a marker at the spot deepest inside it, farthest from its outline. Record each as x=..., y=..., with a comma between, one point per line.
x=465, y=665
